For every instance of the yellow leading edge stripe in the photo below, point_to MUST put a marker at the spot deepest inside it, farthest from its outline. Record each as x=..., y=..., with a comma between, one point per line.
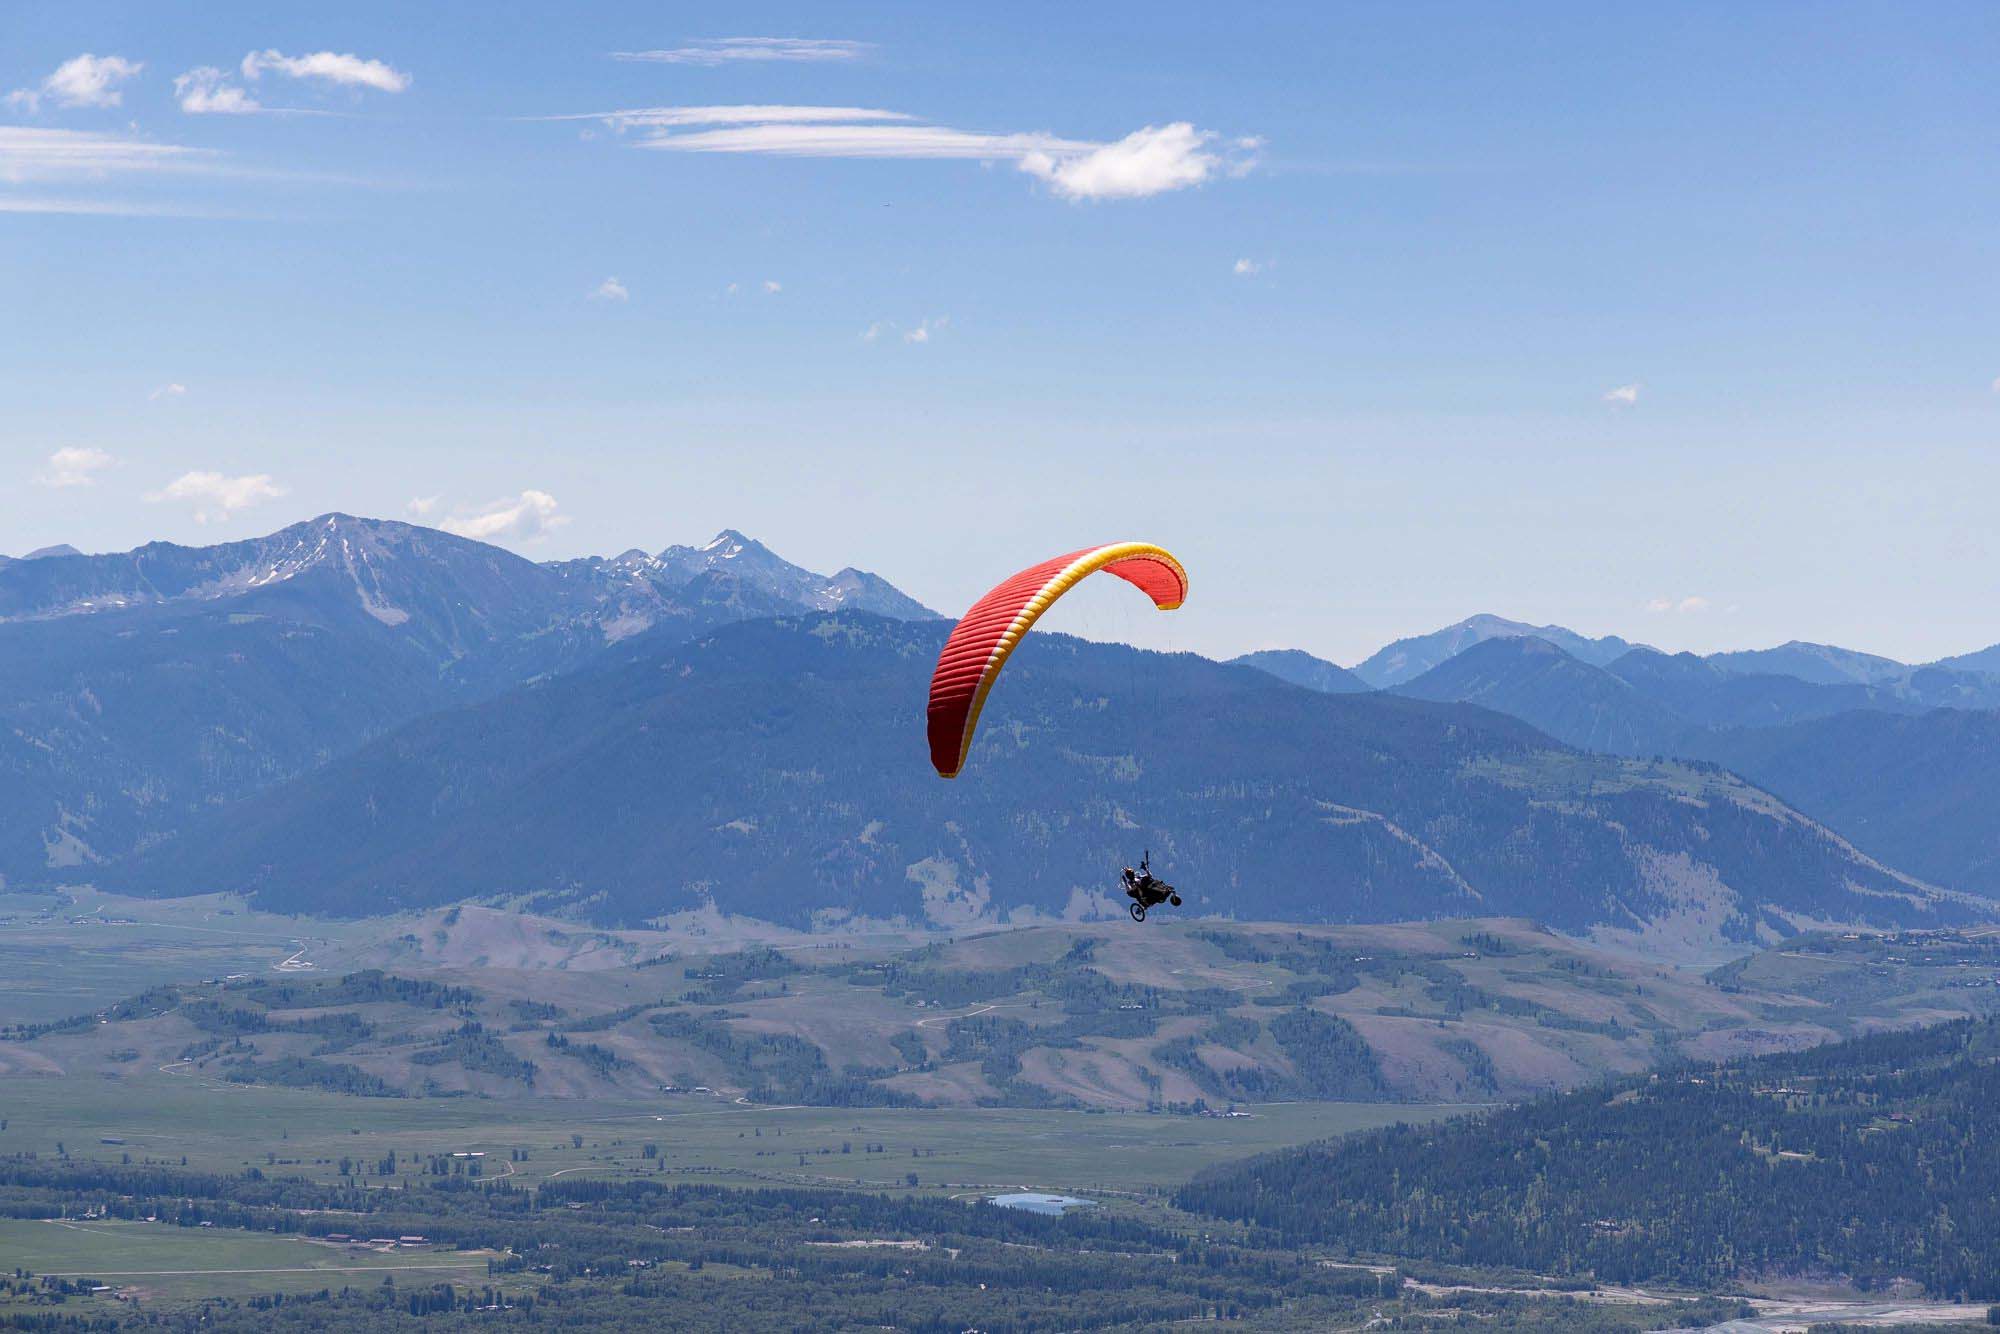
x=1067, y=578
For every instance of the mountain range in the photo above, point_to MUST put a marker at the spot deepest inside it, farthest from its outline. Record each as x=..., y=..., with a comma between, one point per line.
x=1904, y=766
x=141, y=689
x=350, y=714
x=775, y=768
x=1407, y=659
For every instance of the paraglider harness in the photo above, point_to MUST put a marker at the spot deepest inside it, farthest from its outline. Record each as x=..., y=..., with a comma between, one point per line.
x=1146, y=889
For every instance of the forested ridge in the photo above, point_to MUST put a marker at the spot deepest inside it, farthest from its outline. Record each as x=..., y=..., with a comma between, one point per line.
x=1868, y=1160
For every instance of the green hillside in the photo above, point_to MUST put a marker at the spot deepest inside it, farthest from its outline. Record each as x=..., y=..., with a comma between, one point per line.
x=1866, y=1161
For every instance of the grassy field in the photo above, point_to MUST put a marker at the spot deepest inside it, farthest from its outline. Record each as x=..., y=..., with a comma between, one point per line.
x=156, y=1263
x=78, y=951
x=227, y=1128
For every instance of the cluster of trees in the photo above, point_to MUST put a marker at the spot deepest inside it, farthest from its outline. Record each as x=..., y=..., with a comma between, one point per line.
x=370, y=986
x=601, y=1061
x=1871, y=1159
x=999, y=1042
x=1330, y=1060
x=777, y=1067
x=306, y=1072
x=340, y=1029
x=474, y=1049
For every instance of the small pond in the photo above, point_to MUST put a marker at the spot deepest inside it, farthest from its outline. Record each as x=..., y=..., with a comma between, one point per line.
x=1037, y=1203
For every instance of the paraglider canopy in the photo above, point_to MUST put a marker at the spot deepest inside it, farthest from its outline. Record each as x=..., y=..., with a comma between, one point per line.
x=980, y=643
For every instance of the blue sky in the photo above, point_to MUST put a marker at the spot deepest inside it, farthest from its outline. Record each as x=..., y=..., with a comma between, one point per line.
x=1677, y=322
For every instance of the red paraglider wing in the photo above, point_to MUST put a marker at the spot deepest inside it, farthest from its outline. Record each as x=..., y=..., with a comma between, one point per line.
x=981, y=642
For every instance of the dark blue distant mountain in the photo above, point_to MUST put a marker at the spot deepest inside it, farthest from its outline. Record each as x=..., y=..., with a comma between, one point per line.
x=1407, y=659
x=1573, y=701
x=1303, y=669
x=1822, y=664
x=1985, y=661
x=1883, y=765
x=1922, y=791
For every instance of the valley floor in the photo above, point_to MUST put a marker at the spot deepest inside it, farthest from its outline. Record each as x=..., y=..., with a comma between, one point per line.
x=426, y=1066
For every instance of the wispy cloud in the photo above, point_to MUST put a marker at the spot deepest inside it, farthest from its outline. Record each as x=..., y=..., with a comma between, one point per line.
x=1624, y=396
x=1246, y=268
x=167, y=391
x=80, y=81
x=527, y=517
x=102, y=208
x=724, y=50
x=1146, y=162
x=215, y=496
x=30, y=153
x=641, y=118
x=422, y=505
x=772, y=287
x=1684, y=606
x=327, y=67
x=923, y=332
x=74, y=467
x=800, y=133
x=86, y=160
x=610, y=290
x=203, y=91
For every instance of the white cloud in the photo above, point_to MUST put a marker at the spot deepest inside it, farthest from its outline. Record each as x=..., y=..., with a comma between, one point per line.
x=202, y=92
x=215, y=497
x=30, y=154
x=422, y=505
x=921, y=332
x=167, y=391
x=1996, y=385
x=667, y=118
x=723, y=50
x=1686, y=606
x=1625, y=395
x=526, y=518
x=81, y=81
x=772, y=287
x=1244, y=268
x=74, y=467
x=1146, y=162
x=610, y=290
x=329, y=67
